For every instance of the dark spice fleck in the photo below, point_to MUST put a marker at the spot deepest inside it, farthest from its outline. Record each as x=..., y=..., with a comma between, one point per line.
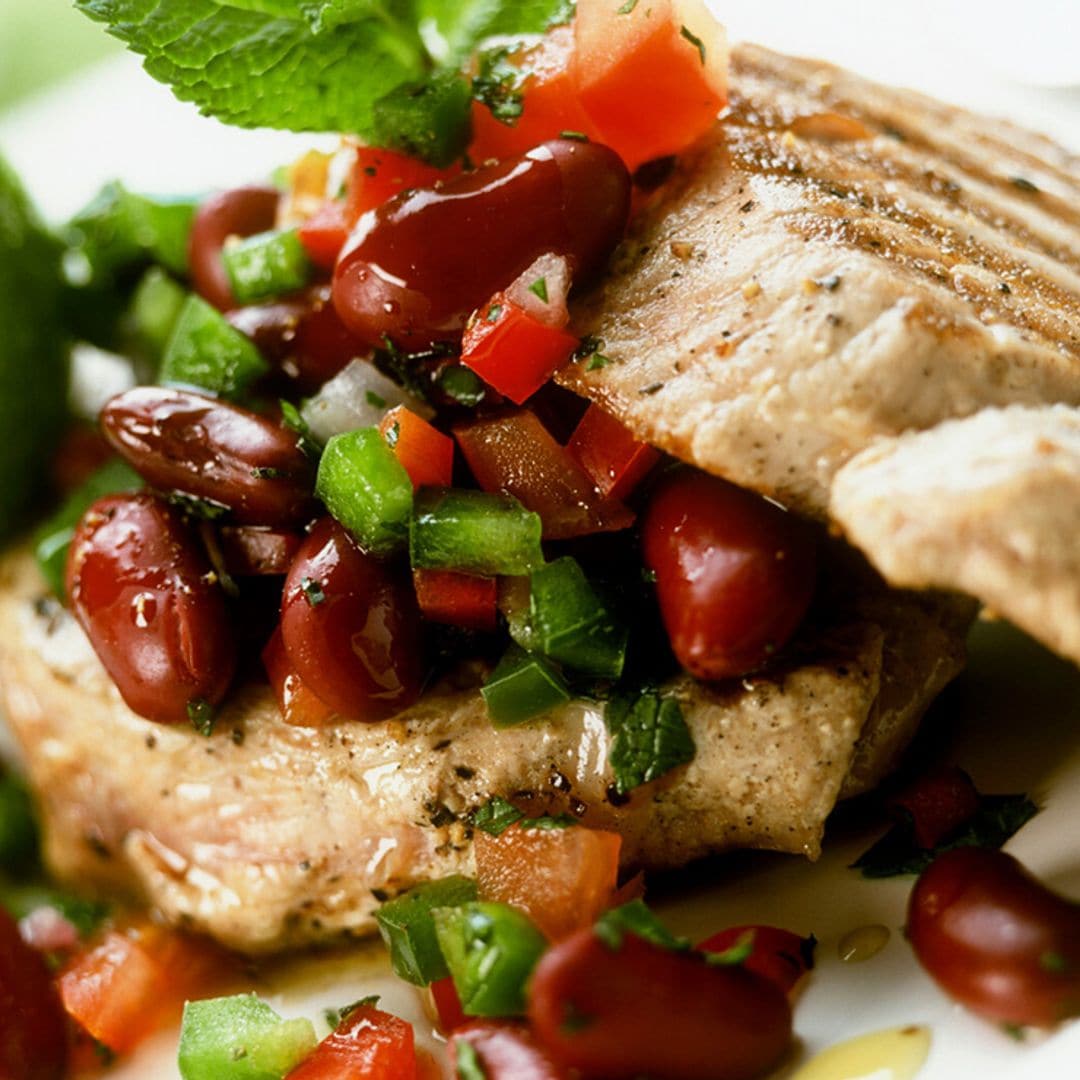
x=151, y=742
x=559, y=781
x=442, y=744
x=746, y=206
x=615, y=796
x=832, y=282
x=381, y=895
x=464, y=772
x=651, y=389
x=238, y=736
x=1022, y=183
x=578, y=808
x=1004, y=288
x=439, y=814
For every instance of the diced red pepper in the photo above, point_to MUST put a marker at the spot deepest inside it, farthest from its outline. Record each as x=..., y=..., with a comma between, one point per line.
x=610, y=454
x=653, y=79
x=325, y=232
x=512, y=351
x=368, y=1044
x=549, y=99
x=939, y=802
x=515, y=453
x=426, y=453
x=507, y=1051
x=465, y=600
x=447, y=1005
x=379, y=175
x=561, y=878
x=299, y=705
x=777, y=954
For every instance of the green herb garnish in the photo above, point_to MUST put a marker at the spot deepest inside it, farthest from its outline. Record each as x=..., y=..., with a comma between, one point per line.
x=313, y=591
x=202, y=716
x=649, y=738
x=694, y=40
x=539, y=289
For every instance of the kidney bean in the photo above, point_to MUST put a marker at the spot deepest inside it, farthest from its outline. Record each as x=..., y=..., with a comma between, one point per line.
x=143, y=591
x=643, y=1010
x=252, y=551
x=996, y=939
x=214, y=450
x=351, y=627
x=242, y=211
x=33, y=1030
x=304, y=334
x=734, y=573
x=506, y=1050
x=416, y=267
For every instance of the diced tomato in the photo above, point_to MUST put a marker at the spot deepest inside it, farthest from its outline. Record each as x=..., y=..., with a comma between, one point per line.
x=513, y=351
x=130, y=983
x=939, y=802
x=507, y=1051
x=379, y=175
x=653, y=78
x=426, y=453
x=515, y=453
x=447, y=1005
x=463, y=600
x=549, y=100
x=779, y=955
x=561, y=878
x=325, y=232
x=612, y=457
x=368, y=1044
x=299, y=704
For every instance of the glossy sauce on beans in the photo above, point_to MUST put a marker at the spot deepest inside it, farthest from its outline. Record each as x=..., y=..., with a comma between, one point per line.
x=242, y=211
x=143, y=591
x=212, y=450
x=351, y=627
x=734, y=573
x=415, y=268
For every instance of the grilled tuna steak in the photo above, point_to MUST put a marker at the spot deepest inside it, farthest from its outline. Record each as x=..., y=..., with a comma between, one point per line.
x=843, y=261
x=989, y=505
x=268, y=836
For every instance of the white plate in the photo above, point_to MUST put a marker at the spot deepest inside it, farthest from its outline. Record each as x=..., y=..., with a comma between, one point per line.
x=1014, y=714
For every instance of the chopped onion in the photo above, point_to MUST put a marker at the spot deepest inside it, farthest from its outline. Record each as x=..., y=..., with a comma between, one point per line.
x=96, y=376
x=548, y=277
x=46, y=930
x=357, y=397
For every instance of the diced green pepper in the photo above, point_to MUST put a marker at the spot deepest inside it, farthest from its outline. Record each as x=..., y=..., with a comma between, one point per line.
x=491, y=950
x=119, y=228
x=429, y=119
x=474, y=532
x=572, y=624
x=522, y=686
x=52, y=540
x=155, y=307
x=240, y=1038
x=18, y=827
x=267, y=264
x=367, y=489
x=207, y=352
x=408, y=929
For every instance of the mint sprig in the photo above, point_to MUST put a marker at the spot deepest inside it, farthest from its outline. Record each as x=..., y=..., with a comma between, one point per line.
x=323, y=65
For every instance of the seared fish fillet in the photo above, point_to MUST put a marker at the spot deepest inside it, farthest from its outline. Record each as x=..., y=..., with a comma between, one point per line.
x=843, y=261
x=268, y=836
x=989, y=505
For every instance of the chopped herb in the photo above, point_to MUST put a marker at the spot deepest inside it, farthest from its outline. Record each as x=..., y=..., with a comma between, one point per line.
x=1014, y=1031
x=493, y=313
x=736, y=955
x=694, y=40
x=193, y=506
x=461, y=385
x=335, y=1016
x=1023, y=184
x=1053, y=962
x=291, y=418
x=648, y=576
x=636, y=918
x=498, y=84
x=375, y=400
x=266, y=472
x=105, y=1054
x=574, y=1020
x=627, y=8
x=393, y=434
x=313, y=591
x=539, y=288
x=467, y=1062
x=649, y=738
x=998, y=818
x=597, y=361
x=561, y=821
x=496, y=816
x=201, y=714
x=577, y=136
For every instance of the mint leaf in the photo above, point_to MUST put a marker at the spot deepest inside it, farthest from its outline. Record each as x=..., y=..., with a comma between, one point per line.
x=636, y=918
x=897, y=853
x=649, y=737
x=386, y=70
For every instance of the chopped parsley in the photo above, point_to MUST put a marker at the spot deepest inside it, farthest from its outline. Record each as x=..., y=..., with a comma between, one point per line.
x=597, y=361
x=493, y=313
x=497, y=815
x=202, y=716
x=313, y=591
x=335, y=1016
x=193, y=506
x=694, y=40
x=590, y=350
x=649, y=738
x=377, y=401
x=539, y=289
x=736, y=955
x=627, y=8
x=498, y=84
x=576, y=136
x=638, y=919
x=460, y=384
x=266, y=472
x=291, y=418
